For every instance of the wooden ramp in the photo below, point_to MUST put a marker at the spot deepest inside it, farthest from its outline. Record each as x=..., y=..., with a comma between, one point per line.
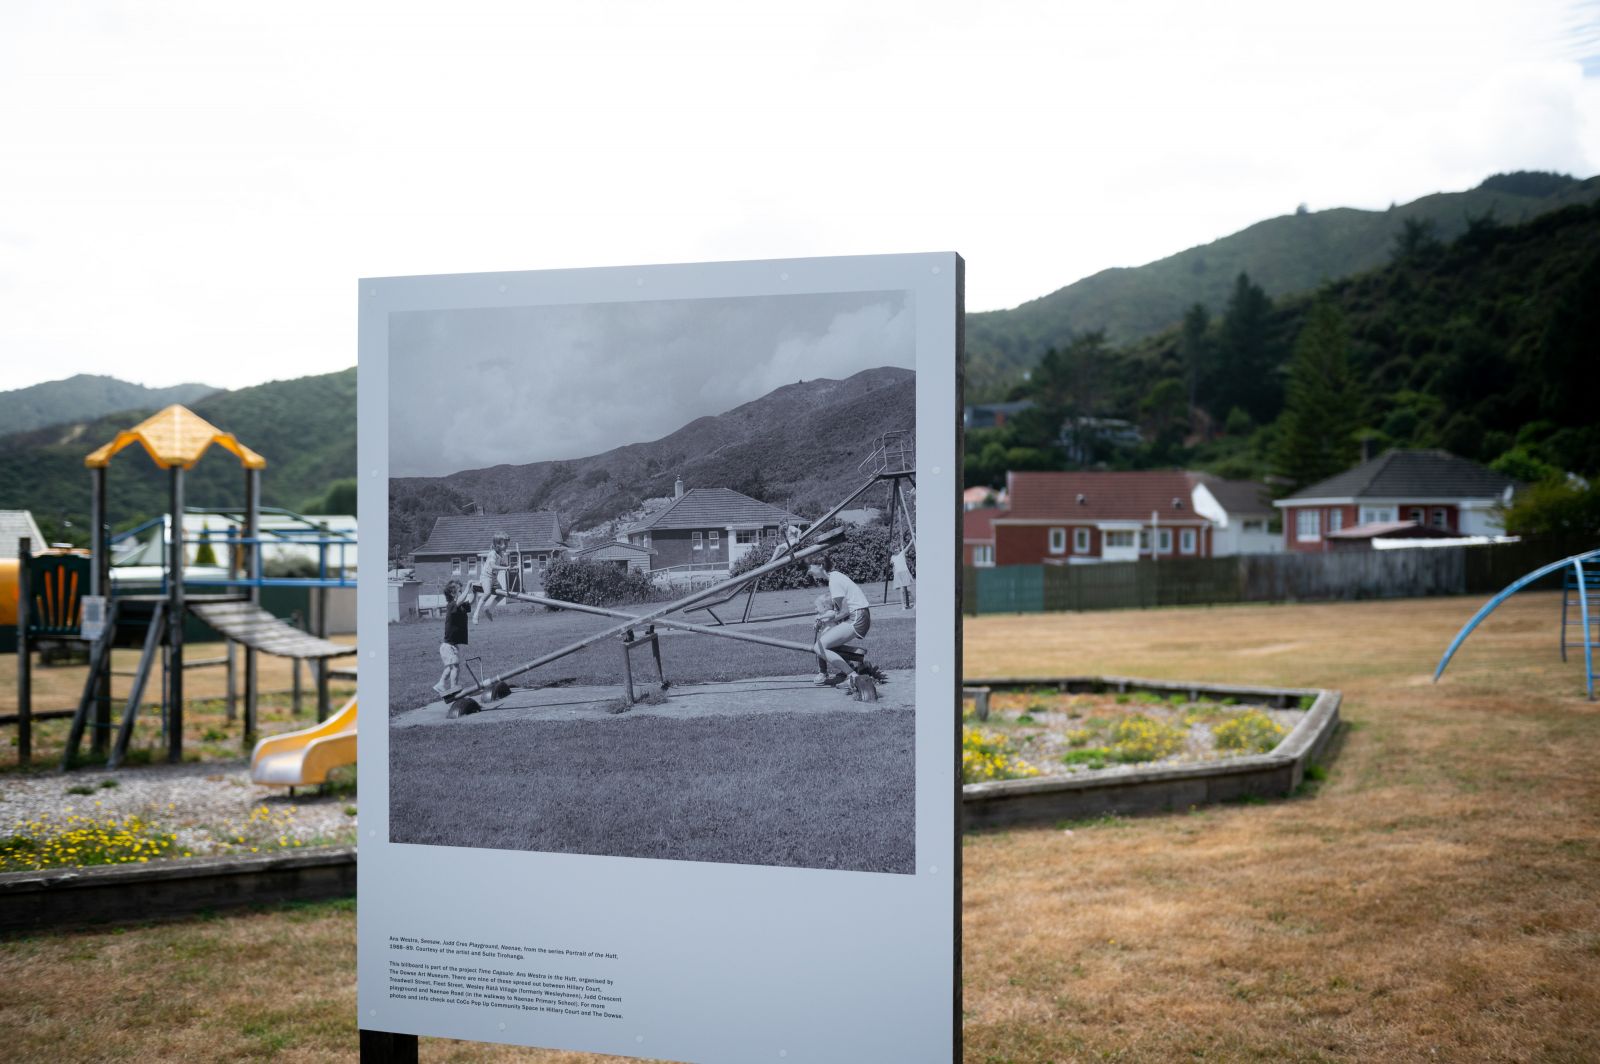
x=257, y=629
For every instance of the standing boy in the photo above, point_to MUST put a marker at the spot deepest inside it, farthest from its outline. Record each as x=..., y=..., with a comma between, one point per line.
x=457, y=608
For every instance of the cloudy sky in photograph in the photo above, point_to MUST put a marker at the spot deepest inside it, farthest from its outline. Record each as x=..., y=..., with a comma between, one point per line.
x=479, y=387
x=191, y=189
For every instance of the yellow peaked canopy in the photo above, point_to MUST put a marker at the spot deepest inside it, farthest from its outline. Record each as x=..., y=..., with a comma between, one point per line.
x=177, y=436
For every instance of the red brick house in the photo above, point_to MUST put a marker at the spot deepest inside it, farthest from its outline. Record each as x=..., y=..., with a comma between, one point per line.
x=708, y=528
x=1084, y=517
x=457, y=544
x=977, y=536
x=1433, y=489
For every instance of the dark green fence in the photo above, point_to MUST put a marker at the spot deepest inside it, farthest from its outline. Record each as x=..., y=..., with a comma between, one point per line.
x=1344, y=575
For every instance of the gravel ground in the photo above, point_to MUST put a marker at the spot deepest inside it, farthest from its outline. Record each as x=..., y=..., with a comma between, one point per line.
x=211, y=807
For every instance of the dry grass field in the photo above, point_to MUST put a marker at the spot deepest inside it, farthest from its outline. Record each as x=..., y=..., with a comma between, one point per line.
x=1434, y=898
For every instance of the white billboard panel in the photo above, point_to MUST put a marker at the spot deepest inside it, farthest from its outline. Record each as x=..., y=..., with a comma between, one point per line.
x=661, y=748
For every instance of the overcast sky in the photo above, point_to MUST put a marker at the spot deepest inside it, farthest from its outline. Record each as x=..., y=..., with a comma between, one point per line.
x=478, y=387
x=188, y=190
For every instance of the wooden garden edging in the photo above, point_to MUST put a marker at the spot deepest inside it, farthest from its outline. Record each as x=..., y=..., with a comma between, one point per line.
x=1005, y=803
x=120, y=894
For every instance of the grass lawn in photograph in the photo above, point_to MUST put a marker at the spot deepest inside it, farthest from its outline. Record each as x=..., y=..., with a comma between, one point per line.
x=830, y=790
x=1430, y=897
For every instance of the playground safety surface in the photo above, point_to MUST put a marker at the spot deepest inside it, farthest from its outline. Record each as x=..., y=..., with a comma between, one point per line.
x=744, y=698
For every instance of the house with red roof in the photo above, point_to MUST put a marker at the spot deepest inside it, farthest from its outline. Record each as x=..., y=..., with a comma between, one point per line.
x=1078, y=518
x=1083, y=517
x=707, y=528
x=1433, y=490
x=977, y=536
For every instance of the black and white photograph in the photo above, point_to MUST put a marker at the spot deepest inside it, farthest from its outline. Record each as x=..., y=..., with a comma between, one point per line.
x=652, y=579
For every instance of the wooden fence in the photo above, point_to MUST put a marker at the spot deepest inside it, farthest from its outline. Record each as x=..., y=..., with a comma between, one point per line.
x=1407, y=573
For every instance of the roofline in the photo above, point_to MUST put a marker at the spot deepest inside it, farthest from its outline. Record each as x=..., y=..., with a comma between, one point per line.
x=1365, y=500
x=1141, y=522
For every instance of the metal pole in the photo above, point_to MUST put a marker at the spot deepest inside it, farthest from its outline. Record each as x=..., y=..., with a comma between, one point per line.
x=175, y=566
x=1588, y=635
x=233, y=677
x=653, y=616
x=100, y=584
x=24, y=654
x=679, y=626
x=252, y=557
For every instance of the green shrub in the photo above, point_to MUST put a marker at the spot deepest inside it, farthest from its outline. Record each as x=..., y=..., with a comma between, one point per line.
x=1251, y=731
x=1139, y=738
x=986, y=756
x=596, y=583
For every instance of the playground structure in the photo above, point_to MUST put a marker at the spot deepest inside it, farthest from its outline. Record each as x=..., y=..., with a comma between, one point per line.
x=73, y=597
x=304, y=758
x=1579, y=586
x=891, y=461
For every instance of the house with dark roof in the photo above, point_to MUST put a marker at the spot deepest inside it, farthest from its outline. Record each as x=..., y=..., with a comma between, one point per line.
x=707, y=529
x=1436, y=490
x=459, y=543
x=1083, y=517
x=1241, y=513
x=623, y=555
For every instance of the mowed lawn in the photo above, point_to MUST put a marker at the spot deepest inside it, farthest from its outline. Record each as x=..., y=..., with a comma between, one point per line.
x=1433, y=899
x=825, y=791
x=521, y=632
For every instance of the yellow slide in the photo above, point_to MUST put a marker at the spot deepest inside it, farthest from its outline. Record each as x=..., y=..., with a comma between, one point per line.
x=304, y=758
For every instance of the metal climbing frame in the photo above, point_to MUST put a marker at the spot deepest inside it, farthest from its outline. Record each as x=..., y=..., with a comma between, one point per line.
x=1580, y=570
x=1580, y=588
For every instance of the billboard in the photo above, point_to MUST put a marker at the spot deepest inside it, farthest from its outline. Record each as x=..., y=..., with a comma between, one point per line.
x=669, y=658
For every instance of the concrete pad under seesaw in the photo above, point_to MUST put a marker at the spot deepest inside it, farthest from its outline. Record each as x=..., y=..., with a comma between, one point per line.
x=763, y=695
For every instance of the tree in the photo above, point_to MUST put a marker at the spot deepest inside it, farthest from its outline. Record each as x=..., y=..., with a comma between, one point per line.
x=1553, y=507
x=1317, y=431
x=205, y=553
x=1243, y=372
x=1192, y=349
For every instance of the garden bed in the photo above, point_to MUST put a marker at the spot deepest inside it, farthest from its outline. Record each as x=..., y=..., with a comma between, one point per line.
x=1048, y=732
x=1048, y=753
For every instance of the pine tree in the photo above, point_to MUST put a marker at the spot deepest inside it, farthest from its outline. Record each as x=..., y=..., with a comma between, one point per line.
x=1243, y=371
x=1323, y=407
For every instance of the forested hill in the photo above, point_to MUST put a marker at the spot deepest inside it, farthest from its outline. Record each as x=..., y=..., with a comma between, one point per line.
x=305, y=428
x=798, y=446
x=1482, y=346
x=1282, y=255
x=86, y=396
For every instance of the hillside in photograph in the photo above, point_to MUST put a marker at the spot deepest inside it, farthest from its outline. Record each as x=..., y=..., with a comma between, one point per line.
x=798, y=446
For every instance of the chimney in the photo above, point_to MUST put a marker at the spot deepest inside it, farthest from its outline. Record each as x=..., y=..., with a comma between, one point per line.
x=1366, y=448
x=677, y=488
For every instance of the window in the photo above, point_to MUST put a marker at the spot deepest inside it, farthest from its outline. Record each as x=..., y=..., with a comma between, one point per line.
x=1335, y=519
x=1144, y=541
x=527, y=563
x=1164, y=541
x=695, y=542
x=983, y=555
x=1080, y=541
x=1187, y=540
x=747, y=535
x=1122, y=538
x=1255, y=526
x=1417, y=514
x=772, y=534
x=455, y=566
x=716, y=541
x=1058, y=541
x=1441, y=517
x=1307, y=525
x=1370, y=514
x=472, y=565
